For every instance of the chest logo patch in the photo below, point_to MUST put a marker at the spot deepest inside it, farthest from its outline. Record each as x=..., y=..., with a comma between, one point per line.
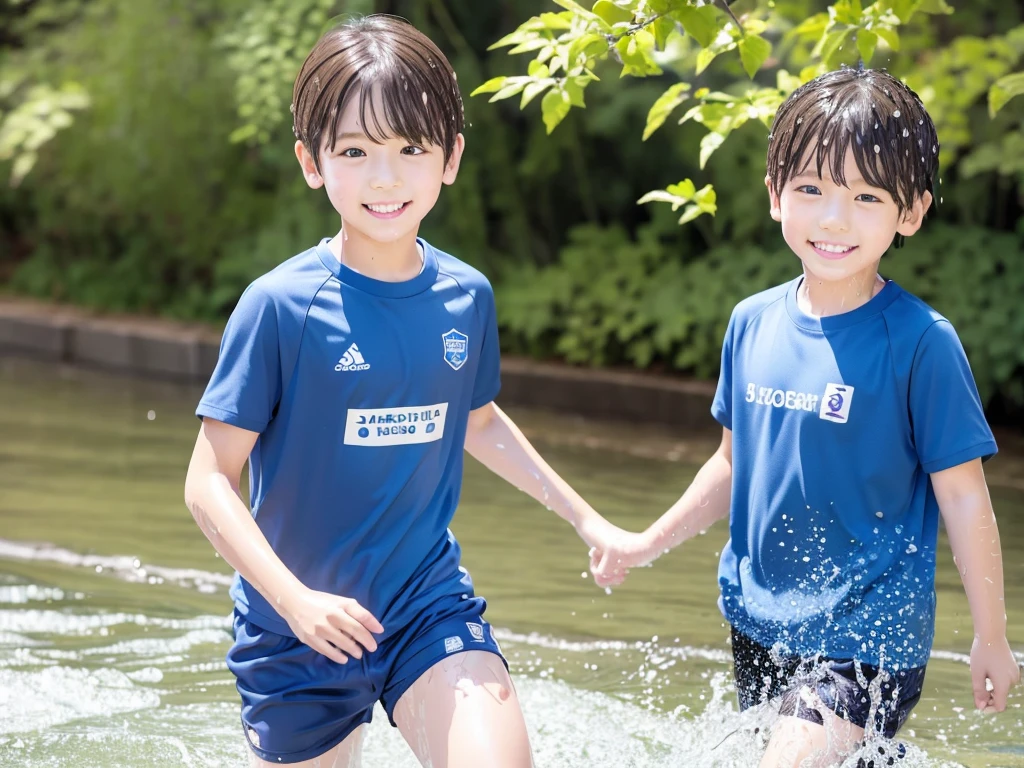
x=395, y=426
x=456, y=348
x=835, y=405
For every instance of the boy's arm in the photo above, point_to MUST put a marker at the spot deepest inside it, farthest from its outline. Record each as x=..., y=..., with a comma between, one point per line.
x=335, y=626
x=974, y=538
x=704, y=503
x=497, y=443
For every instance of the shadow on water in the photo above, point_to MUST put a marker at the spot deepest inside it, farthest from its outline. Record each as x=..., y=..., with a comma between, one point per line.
x=114, y=612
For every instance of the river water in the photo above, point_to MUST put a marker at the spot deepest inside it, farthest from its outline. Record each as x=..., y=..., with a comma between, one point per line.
x=114, y=609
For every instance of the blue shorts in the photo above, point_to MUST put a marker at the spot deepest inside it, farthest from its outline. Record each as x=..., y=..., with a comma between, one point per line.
x=842, y=687
x=298, y=704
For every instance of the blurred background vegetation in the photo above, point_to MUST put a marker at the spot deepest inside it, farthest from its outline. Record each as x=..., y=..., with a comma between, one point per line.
x=146, y=166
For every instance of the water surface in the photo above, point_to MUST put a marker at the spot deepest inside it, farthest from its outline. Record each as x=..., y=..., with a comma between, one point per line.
x=114, y=609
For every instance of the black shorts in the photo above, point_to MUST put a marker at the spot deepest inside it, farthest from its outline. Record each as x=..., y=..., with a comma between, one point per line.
x=875, y=700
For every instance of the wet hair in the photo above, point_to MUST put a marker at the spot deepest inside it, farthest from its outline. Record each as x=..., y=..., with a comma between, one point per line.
x=404, y=85
x=892, y=136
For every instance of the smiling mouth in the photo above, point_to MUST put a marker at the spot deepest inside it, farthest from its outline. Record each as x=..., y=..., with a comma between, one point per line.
x=387, y=210
x=832, y=250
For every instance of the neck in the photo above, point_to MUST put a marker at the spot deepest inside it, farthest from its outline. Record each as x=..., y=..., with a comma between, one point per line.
x=822, y=298
x=393, y=262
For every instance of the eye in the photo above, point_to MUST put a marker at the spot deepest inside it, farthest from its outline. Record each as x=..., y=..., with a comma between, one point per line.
x=413, y=150
x=868, y=198
x=808, y=189
x=352, y=152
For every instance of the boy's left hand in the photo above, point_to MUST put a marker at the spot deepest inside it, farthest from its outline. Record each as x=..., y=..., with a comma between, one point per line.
x=993, y=661
x=613, y=551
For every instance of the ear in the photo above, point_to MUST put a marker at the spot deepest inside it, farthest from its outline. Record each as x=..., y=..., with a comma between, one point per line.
x=451, y=169
x=309, y=171
x=773, y=198
x=913, y=218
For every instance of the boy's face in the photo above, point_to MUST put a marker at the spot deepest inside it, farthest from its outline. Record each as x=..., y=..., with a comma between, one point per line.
x=840, y=232
x=382, y=191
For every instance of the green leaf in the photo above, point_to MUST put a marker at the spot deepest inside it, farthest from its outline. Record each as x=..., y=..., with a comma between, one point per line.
x=661, y=196
x=690, y=213
x=574, y=88
x=591, y=44
x=866, y=42
x=663, y=107
x=492, y=85
x=903, y=9
x=612, y=13
x=22, y=165
x=836, y=45
x=753, y=52
x=708, y=145
x=890, y=36
x=538, y=70
x=934, y=6
x=684, y=188
x=700, y=23
x=555, y=106
x=515, y=85
x=663, y=29
x=1004, y=89
x=707, y=55
x=533, y=90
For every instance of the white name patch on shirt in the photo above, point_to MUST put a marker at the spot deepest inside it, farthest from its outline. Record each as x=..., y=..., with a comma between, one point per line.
x=395, y=426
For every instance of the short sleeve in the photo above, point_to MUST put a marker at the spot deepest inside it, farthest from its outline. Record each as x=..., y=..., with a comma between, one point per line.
x=721, y=408
x=946, y=415
x=246, y=383
x=488, y=371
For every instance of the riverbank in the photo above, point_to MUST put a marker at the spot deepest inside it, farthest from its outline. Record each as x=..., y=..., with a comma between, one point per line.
x=187, y=352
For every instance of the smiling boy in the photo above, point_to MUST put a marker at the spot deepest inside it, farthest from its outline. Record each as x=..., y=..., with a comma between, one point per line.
x=850, y=424
x=351, y=378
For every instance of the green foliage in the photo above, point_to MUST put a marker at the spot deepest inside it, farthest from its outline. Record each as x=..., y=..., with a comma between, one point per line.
x=164, y=180
x=265, y=50
x=642, y=36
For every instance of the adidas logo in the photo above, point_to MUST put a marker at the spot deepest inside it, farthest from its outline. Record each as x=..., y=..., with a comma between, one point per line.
x=352, y=360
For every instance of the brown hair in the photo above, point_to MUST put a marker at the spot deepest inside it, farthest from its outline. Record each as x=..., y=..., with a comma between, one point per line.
x=419, y=97
x=893, y=139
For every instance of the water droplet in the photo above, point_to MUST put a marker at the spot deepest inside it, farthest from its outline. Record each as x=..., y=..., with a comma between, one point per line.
x=879, y=514
x=905, y=133
x=896, y=113
x=424, y=98
x=151, y=415
x=877, y=149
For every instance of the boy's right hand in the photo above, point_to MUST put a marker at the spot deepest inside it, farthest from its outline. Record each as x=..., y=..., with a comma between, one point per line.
x=338, y=627
x=611, y=559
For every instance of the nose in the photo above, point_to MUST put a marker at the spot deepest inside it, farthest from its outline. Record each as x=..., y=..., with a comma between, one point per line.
x=834, y=216
x=384, y=174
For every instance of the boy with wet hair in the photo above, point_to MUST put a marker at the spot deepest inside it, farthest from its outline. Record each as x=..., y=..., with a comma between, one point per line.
x=352, y=377
x=850, y=424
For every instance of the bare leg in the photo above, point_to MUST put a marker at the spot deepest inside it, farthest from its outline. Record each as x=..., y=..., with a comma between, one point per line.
x=348, y=754
x=463, y=713
x=797, y=743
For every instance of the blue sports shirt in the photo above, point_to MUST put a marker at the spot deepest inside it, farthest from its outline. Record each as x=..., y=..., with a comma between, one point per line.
x=837, y=423
x=360, y=391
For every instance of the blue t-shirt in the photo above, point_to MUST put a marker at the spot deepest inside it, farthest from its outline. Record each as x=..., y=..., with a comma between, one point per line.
x=837, y=423
x=360, y=390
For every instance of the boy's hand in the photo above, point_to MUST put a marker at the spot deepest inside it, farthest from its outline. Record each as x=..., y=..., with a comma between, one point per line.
x=337, y=627
x=614, y=551
x=993, y=661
